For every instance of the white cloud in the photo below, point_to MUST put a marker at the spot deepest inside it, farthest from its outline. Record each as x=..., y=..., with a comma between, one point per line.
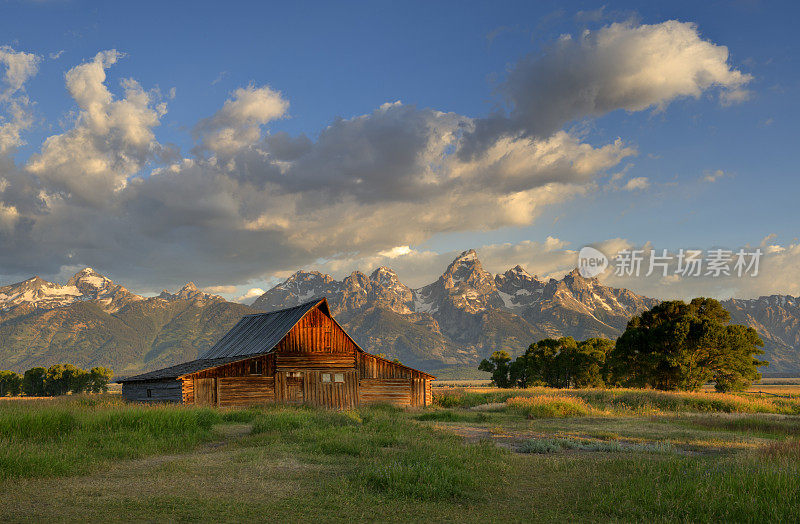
x=20, y=120
x=640, y=182
x=111, y=141
x=8, y=216
x=620, y=66
x=238, y=123
x=395, y=252
x=250, y=295
x=19, y=67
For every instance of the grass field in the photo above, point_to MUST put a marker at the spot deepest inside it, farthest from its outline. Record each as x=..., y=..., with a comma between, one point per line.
x=486, y=455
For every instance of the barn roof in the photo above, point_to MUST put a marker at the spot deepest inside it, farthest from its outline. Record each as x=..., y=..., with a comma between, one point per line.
x=259, y=333
x=179, y=369
x=254, y=334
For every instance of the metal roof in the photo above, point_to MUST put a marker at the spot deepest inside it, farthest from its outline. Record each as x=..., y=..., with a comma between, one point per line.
x=253, y=335
x=179, y=369
x=259, y=333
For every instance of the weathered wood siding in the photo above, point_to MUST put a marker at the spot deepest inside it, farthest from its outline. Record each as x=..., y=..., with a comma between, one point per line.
x=395, y=391
x=205, y=391
x=342, y=395
x=316, y=361
x=239, y=369
x=386, y=381
x=316, y=333
x=188, y=390
x=243, y=391
x=418, y=392
x=160, y=391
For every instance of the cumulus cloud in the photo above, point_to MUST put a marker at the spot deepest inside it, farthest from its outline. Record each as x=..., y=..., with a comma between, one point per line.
x=248, y=203
x=19, y=67
x=238, y=124
x=250, y=295
x=639, y=182
x=620, y=66
x=111, y=141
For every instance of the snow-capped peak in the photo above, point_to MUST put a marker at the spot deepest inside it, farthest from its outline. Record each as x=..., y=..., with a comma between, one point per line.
x=89, y=278
x=86, y=284
x=467, y=256
x=519, y=270
x=384, y=275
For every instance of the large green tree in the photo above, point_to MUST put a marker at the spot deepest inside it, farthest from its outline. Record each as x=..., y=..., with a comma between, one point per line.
x=589, y=368
x=33, y=382
x=10, y=383
x=562, y=363
x=498, y=366
x=682, y=346
x=99, y=377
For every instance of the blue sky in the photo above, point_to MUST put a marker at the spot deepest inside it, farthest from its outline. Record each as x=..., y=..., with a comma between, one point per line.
x=344, y=60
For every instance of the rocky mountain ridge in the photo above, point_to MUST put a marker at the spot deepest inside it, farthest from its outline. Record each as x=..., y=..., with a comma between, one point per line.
x=456, y=320
x=91, y=320
x=468, y=311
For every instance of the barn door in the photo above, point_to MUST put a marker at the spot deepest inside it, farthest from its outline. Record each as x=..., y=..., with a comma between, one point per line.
x=205, y=391
x=294, y=388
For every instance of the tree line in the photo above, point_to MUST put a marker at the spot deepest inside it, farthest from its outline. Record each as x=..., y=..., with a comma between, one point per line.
x=58, y=379
x=673, y=346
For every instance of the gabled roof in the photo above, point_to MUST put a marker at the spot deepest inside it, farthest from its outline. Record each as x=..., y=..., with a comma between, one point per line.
x=254, y=334
x=259, y=333
x=179, y=369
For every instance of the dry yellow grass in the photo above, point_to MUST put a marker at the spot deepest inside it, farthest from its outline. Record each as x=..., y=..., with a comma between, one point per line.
x=549, y=406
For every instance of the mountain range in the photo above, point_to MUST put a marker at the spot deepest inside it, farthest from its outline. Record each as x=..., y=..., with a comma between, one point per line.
x=453, y=322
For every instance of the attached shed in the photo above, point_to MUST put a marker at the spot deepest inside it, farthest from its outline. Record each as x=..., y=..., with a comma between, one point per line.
x=298, y=355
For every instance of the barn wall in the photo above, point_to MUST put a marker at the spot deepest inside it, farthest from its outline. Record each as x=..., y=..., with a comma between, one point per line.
x=187, y=390
x=239, y=369
x=342, y=395
x=314, y=361
x=160, y=391
x=395, y=391
x=316, y=333
x=243, y=391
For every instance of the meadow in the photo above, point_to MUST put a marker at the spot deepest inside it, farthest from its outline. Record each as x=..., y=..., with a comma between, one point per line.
x=479, y=454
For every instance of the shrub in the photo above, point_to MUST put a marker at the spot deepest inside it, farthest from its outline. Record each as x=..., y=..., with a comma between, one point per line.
x=548, y=406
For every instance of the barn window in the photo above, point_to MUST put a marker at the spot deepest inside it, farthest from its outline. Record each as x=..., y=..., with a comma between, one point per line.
x=326, y=377
x=338, y=377
x=149, y=393
x=255, y=367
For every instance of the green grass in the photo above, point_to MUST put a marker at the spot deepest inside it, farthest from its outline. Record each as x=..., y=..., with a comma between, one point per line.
x=548, y=406
x=553, y=445
x=58, y=438
x=631, y=401
x=129, y=462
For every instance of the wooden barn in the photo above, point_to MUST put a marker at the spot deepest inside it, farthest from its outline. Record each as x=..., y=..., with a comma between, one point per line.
x=299, y=355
